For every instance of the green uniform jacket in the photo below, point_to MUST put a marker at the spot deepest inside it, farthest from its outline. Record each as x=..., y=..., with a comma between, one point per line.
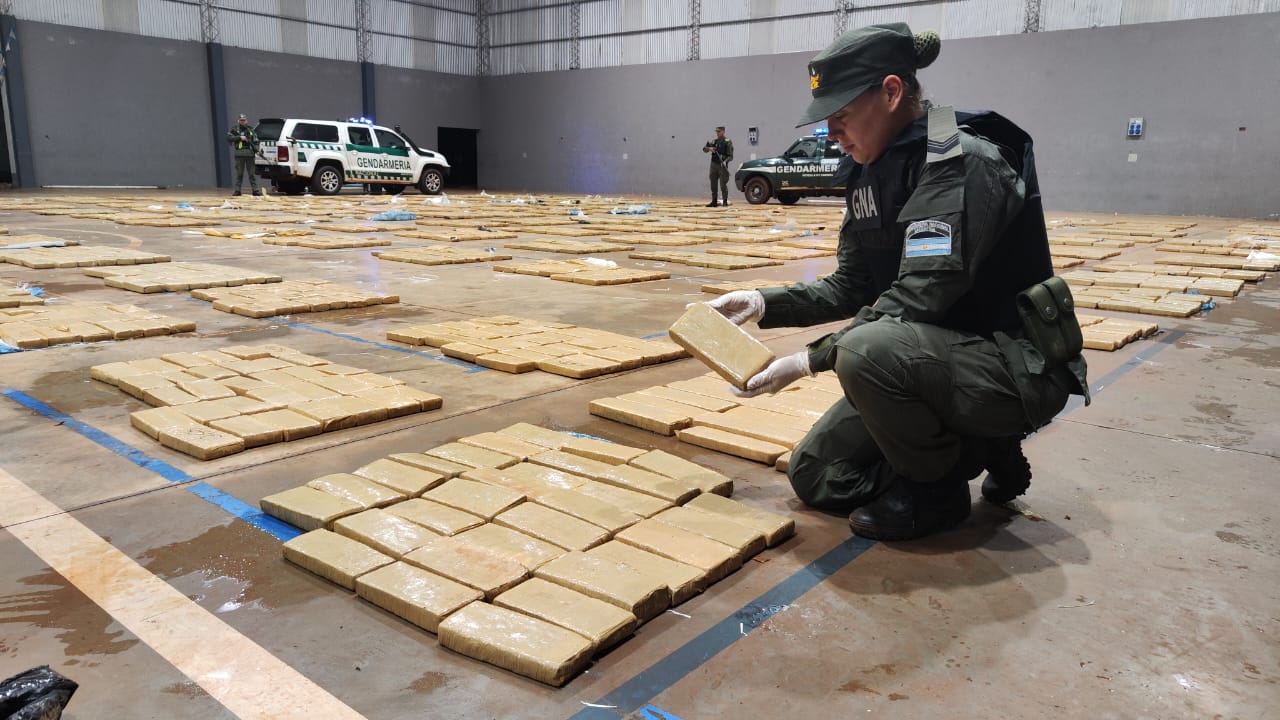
x=721, y=151
x=241, y=148
x=973, y=192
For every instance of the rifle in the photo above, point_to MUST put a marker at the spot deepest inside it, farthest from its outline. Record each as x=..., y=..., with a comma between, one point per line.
x=715, y=154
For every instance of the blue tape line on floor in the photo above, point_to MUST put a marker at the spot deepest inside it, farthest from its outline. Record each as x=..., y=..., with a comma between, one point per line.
x=278, y=529
x=385, y=346
x=1110, y=378
x=124, y=450
x=660, y=676
x=653, y=712
x=671, y=669
x=585, y=436
x=242, y=510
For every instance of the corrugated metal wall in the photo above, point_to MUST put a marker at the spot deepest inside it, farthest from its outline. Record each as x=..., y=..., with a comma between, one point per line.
x=437, y=35
x=536, y=35
x=161, y=18
x=61, y=12
x=1070, y=14
x=423, y=37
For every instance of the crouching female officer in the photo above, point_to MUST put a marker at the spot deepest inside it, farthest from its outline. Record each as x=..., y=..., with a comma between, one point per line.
x=944, y=228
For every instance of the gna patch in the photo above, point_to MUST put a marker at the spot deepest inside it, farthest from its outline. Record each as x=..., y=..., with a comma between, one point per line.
x=927, y=238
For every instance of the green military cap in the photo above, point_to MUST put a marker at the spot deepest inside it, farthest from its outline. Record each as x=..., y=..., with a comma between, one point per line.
x=859, y=60
x=719, y=128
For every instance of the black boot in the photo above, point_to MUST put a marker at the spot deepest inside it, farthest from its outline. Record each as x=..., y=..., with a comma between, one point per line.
x=1008, y=472
x=726, y=202
x=713, y=203
x=908, y=510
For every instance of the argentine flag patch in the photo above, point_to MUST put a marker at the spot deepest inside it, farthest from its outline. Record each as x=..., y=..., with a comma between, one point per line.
x=927, y=238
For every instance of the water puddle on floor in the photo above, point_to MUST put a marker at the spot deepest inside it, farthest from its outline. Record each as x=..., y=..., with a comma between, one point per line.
x=73, y=390
x=429, y=682
x=52, y=603
x=234, y=566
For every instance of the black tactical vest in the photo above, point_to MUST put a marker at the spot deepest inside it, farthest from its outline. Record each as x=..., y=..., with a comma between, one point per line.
x=875, y=195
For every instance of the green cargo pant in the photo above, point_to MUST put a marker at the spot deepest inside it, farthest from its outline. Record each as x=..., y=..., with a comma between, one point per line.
x=915, y=395
x=720, y=176
x=245, y=165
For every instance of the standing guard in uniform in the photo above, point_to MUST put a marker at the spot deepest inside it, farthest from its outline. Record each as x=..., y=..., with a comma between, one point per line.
x=961, y=341
x=244, y=146
x=721, y=150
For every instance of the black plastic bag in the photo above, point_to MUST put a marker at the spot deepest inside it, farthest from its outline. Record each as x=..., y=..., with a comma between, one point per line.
x=37, y=694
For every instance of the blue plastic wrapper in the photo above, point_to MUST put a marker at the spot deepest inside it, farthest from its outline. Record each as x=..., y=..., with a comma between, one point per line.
x=1208, y=303
x=394, y=215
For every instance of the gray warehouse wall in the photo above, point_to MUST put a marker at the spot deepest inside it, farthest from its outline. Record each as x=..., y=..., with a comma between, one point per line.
x=421, y=102
x=1210, y=108
x=264, y=84
x=110, y=108
x=639, y=129
x=633, y=129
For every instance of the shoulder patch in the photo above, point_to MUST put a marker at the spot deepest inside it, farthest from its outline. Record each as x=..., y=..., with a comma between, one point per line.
x=926, y=238
x=944, y=136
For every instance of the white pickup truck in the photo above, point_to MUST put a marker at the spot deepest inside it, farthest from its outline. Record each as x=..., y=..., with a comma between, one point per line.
x=324, y=155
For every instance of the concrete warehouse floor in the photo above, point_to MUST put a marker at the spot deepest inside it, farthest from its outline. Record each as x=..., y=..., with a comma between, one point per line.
x=1142, y=585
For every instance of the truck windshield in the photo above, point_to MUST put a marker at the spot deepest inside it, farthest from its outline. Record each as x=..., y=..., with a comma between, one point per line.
x=412, y=143
x=803, y=148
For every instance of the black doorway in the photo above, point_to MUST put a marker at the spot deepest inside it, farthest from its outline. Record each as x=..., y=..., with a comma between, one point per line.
x=459, y=147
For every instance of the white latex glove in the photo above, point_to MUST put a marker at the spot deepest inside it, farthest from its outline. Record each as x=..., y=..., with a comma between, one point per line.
x=740, y=306
x=780, y=373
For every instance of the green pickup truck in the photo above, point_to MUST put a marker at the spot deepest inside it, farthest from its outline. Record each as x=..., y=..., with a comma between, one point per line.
x=806, y=169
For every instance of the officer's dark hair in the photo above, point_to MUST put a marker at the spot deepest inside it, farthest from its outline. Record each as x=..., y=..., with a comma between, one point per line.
x=927, y=45
x=912, y=93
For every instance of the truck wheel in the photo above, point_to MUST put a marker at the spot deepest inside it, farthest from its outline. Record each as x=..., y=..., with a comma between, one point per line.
x=431, y=182
x=757, y=190
x=327, y=180
x=788, y=198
